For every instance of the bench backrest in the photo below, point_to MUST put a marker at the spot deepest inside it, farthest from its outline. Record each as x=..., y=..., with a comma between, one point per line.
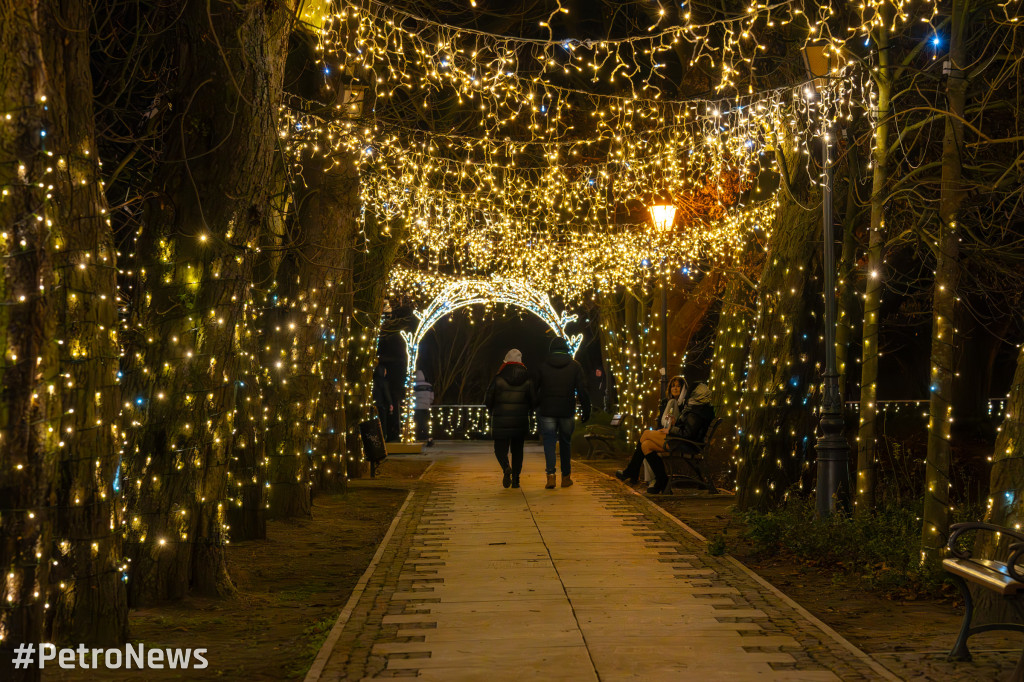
x=711, y=430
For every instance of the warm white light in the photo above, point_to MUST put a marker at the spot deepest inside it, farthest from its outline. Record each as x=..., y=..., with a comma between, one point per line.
x=663, y=216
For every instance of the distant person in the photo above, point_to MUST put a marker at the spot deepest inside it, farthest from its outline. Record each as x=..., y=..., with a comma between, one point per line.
x=561, y=384
x=423, y=398
x=510, y=398
x=691, y=425
x=668, y=411
x=598, y=389
x=382, y=397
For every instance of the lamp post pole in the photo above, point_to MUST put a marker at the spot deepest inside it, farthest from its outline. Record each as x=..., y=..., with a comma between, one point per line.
x=831, y=446
x=664, y=333
x=662, y=215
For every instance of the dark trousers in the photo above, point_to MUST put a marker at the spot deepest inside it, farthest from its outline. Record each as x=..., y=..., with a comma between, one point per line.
x=422, y=419
x=501, y=450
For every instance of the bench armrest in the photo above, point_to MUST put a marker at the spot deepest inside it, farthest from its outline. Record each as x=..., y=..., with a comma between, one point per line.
x=1016, y=549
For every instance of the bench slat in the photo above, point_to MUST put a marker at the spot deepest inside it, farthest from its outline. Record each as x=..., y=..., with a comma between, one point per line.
x=992, y=575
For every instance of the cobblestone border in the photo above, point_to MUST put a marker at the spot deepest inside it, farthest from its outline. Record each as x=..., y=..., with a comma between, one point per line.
x=405, y=519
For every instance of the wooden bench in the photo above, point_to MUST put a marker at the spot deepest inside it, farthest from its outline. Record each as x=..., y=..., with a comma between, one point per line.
x=599, y=438
x=1002, y=578
x=684, y=461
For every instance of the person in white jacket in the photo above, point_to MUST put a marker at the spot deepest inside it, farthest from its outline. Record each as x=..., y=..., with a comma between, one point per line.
x=423, y=398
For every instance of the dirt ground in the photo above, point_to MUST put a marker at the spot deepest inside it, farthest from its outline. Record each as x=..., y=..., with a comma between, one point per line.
x=291, y=588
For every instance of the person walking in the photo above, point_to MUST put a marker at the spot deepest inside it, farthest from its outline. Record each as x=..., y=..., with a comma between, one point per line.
x=561, y=384
x=423, y=398
x=510, y=398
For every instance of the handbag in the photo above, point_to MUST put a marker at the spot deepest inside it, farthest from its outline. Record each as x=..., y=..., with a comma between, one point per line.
x=372, y=434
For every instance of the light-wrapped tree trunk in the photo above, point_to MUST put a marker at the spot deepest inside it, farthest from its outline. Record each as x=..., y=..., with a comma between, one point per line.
x=777, y=422
x=864, y=499
x=935, y=519
x=92, y=607
x=30, y=382
x=1006, y=495
x=728, y=366
x=211, y=200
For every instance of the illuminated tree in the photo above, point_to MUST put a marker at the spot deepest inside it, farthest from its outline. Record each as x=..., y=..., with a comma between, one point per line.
x=208, y=205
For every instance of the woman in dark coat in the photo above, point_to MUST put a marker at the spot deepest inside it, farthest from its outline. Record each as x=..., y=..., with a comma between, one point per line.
x=510, y=399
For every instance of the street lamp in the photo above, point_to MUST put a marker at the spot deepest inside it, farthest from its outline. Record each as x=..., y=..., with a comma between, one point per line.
x=663, y=215
x=831, y=445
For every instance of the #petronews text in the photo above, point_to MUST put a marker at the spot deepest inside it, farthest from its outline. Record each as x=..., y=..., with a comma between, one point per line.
x=133, y=656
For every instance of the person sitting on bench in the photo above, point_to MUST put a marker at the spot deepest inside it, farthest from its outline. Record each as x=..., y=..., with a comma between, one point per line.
x=692, y=425
x=668, y=412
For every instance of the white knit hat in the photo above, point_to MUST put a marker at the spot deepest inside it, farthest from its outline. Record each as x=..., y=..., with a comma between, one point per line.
x=513, y=356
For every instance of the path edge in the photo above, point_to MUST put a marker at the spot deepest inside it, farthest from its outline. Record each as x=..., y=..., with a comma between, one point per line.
x=320, y=662
x=884, y=672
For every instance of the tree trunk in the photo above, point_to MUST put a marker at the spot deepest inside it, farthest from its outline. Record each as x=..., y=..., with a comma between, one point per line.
x=776, y=418
x=687, y=311
x=1006, y=494
x=34, y=93
x=304, y=333
x=864, y=500
x=247, y=469
x=627, y=349
x=371, y=267
x=728, y=369
x=210, y=203
x=935, y=518
x=340, y=191
x=93, y=607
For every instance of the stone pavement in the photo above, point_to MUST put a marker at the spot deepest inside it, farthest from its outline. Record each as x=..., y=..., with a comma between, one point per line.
x=592, y=582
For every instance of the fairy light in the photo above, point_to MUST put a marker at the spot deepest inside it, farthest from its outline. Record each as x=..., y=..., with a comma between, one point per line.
x=463, y=293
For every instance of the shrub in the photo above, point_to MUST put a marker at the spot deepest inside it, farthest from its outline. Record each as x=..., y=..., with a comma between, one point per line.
x=883, y=549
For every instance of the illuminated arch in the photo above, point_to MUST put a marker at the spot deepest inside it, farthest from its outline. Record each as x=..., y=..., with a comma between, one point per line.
x=470, y=292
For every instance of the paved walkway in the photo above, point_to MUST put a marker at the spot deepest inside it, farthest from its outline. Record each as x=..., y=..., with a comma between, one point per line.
x=592, y=582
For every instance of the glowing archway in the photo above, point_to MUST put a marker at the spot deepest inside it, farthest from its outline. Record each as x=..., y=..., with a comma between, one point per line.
x=470, y=292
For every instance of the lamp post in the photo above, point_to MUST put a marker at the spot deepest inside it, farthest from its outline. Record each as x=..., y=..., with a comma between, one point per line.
x=662, y=215
x=831, y=445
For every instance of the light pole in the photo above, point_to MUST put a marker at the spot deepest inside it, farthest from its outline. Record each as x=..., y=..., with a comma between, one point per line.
x=831, y=446
x=662, y=215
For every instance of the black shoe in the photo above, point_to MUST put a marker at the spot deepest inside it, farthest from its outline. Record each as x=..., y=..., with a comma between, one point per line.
x=621, y=475
x=515, y=481
x=658, y=488
x=506, y=480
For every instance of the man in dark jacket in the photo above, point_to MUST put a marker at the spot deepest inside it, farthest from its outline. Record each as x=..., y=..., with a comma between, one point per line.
x=510, y=398
x=382, y=398
x=561, y=384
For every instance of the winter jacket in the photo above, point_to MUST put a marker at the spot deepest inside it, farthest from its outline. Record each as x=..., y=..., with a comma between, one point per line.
x=693, y=424
x=510, y=398
x=381, y=389
x=422, y=392
x=561, y=383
